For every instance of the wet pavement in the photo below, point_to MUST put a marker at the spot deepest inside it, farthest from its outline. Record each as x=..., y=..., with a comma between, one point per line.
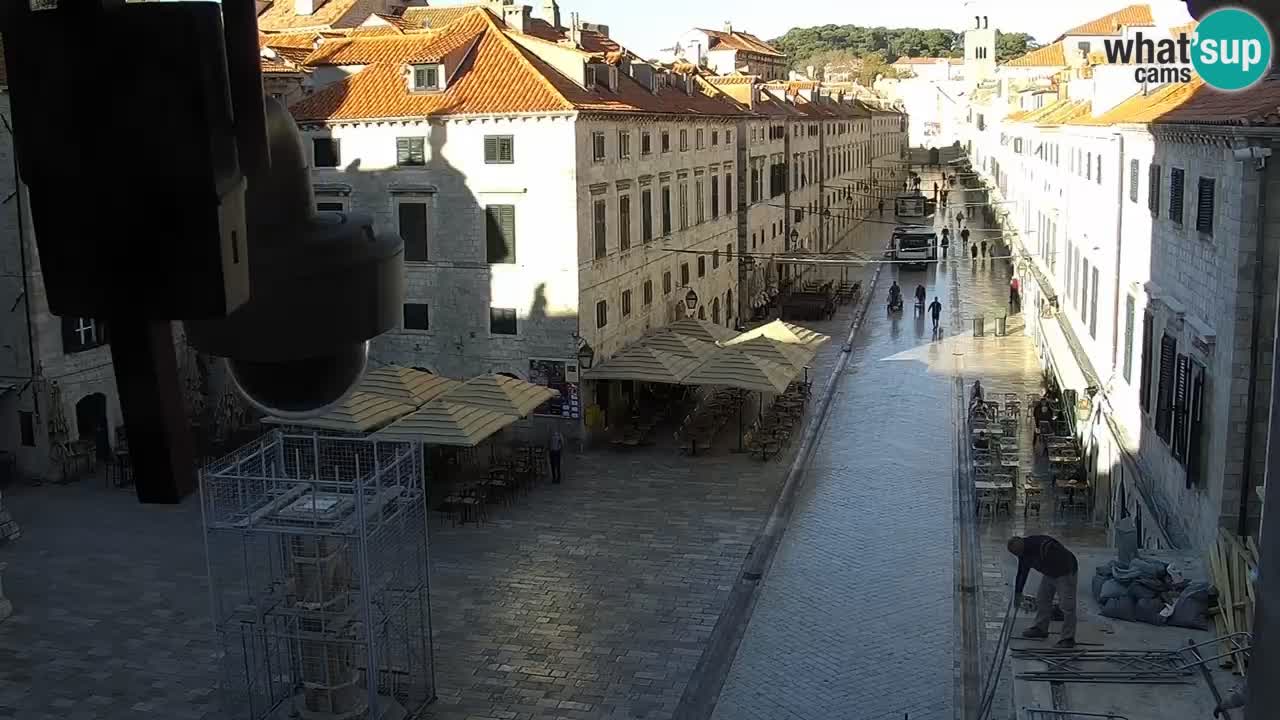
x=856, y=616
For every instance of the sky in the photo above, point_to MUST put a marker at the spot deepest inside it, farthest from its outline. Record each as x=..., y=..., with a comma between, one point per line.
x=645, y=26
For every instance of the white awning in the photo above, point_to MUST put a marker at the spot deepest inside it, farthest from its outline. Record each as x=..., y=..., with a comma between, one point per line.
x=1065, y=366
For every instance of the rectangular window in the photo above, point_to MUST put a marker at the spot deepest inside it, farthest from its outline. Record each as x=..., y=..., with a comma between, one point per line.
x=715, y=138
x=500, y=233
x=1144, y=366
x=1175, y=194
x=1088, y=166
x=1129, y=319
x=646, y=215
x=1195, y=425
x=646, y=292
x=715, y=259
x=426, y=77
x=499, y=149
x=666, y=141
x=666, y=209
x=1204, y=206
x=416, y=317
x=684, y=140
x=666, y=283
x=728, y=194
x=1181, y=396
x=599, y=229
x=325, y=152
x=413, y=229
x=1084, y=291
x=602, y=314
x=1133, y=180
x=1093, y=307
x=1153, y=189
x=624, y=223
x=626, y=303
x=81, y=333
x=1164, y=393
x=502, y=321
x=715, y=197
x=699, y=201
x=27, y=428
x=702, y=266
x=699, y=139
x=330, y=206
x=684, y=274
x=646, y=143
x=684, y=205
x=597, y=146
x=1097, y=173
x=411, y=151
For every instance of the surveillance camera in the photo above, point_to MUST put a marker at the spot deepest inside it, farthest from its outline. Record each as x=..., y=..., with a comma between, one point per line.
x=321, y=285
x=1251, y=152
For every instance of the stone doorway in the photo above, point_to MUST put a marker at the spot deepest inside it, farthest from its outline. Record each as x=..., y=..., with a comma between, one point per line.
x=91, y=423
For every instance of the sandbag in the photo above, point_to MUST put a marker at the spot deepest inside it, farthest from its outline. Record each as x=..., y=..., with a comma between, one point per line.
x=1191, y=607
x=1112, y=589
x=1148, y=611
x=1139, y=568
x=1119, y=608
x=1098, y=582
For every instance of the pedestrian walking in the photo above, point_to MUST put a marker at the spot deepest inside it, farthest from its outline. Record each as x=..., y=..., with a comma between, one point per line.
x=1015, y=295
x=964, y=236
x=881, y=206
x=555, y=446
x=1059, y=571
x=984, y=247
x=973, y=251
x=946, y=243
x=959, y=218
x=935, y=311
x=935, y=190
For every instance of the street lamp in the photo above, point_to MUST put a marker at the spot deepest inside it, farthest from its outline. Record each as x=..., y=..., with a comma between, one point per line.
x=586, y=354
x=691, y=300
x=795, y=238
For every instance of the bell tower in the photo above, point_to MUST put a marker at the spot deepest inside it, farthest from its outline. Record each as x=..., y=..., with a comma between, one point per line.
x=979, y=47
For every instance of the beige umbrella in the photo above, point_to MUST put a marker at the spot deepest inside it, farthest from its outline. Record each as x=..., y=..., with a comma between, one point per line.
x=642, y=363
x=783, y=332
x=708, y=332
x=737, y=368
x=684, y=346
x=500, y=394
x=406, y=385
x=359, y=413
x=440, y=422
x=776, y=351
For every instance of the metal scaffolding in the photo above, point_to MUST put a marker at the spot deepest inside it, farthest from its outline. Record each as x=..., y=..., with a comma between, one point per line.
x=317, y=552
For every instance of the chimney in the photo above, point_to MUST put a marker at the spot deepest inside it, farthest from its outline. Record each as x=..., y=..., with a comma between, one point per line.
x=728, y=27
x=516, y=17
x=575, y=30
x=551, y=12
x=306, y=7
x=597, y=28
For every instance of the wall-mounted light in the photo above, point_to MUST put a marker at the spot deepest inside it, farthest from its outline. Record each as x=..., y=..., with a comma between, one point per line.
x=691, y=300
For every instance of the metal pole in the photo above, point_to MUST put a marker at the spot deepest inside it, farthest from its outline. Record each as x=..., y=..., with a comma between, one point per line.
x=1264, y=696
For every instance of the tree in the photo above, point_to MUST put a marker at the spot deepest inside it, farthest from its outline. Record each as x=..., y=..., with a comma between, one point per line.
x=873, y=66
x=1012, y=45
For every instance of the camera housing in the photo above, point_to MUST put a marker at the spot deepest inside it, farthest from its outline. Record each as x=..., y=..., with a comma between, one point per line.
x=322, y=284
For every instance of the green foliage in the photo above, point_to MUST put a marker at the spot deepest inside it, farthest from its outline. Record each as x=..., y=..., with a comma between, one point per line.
x=818, y=45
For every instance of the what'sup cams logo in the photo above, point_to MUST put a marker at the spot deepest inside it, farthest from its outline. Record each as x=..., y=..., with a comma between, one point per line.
x=1231, y=49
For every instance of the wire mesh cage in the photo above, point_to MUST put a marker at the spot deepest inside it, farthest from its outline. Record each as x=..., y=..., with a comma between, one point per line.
x=317, y=551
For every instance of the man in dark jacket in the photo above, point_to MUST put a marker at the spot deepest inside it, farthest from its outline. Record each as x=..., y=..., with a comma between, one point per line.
x=1060, y=575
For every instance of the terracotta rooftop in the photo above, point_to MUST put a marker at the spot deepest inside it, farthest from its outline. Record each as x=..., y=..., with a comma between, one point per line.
x=733, y=79
x=1145, y=108
x=1055, y=113
x=1048, y=56
x=1259, y=106
x=904, y=60
x=280, y=15
x=301, y=41
x=738, y=40
x=496, y=76
x=434, y=17
x=1187, y=29
x=1114, y=23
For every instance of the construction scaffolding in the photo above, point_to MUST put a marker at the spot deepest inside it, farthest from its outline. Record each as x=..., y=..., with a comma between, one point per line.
x=318, y=581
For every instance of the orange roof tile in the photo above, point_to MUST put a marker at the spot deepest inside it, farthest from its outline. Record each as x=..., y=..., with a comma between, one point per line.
x=1187, y=29
x=738, y=40
x=301, y=40
x=1055, y=113
x=904, y=60
x=281, y=15
x=397, y=21
x=1112, y=24
x=1047, y=56
x=1145, y=108
x=434, y=17
x=733, y=79
x=1257, y=106
x=592, y=41
x=397, y=48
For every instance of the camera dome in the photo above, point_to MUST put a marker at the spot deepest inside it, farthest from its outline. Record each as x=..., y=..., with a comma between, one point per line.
x=303, y=387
